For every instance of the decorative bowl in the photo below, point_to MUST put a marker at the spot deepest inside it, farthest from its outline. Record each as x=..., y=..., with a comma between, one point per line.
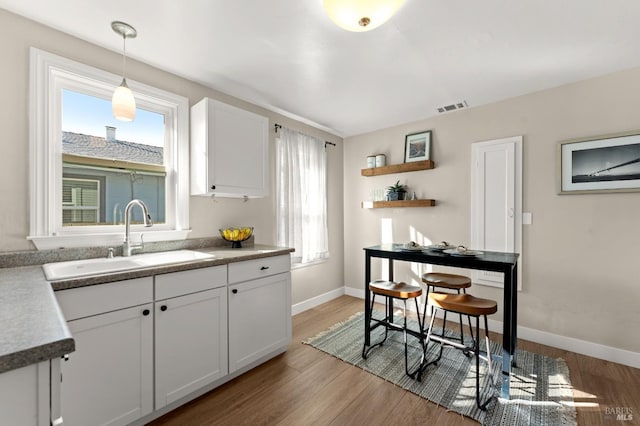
x=236, y=235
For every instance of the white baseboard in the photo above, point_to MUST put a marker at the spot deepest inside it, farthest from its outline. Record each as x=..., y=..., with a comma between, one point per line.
x=596, y=350
x=318, y=300
x=355, y=292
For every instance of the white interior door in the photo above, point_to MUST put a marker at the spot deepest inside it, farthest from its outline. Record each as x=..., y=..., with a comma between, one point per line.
x=496, y=201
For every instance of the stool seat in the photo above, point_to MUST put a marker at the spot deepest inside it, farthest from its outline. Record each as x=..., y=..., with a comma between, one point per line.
x=465, y=304
x=444, y=280
x=398, y=290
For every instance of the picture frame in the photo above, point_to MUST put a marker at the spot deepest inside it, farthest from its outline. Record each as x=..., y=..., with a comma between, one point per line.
x=417, y=146
x=600, y=164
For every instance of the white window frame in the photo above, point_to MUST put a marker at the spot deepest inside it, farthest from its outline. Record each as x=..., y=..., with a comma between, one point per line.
x=49, y=74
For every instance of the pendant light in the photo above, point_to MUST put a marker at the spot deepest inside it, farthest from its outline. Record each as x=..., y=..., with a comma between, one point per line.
x=360, y=15
x=123, y=103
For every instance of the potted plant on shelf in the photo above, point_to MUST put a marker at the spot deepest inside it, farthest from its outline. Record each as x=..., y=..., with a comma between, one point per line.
x=396, y=192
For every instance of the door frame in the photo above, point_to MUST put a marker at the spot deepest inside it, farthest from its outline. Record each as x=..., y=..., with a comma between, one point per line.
x=476, y=149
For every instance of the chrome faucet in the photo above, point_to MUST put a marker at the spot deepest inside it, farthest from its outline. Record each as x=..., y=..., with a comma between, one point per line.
x=127, y=247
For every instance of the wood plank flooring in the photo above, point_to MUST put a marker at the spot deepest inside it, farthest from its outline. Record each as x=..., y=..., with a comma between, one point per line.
x=307, y=387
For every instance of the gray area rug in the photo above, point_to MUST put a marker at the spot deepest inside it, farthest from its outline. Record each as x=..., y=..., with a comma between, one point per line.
x=540, y=387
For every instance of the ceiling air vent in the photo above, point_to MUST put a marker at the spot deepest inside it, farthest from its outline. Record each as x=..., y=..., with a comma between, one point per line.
x=453, y=107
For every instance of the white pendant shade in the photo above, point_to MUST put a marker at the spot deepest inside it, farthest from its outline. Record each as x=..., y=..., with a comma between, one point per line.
x=123, y=103
x=360, y=15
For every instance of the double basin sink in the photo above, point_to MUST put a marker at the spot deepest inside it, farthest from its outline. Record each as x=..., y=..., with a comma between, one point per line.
x=89, y=267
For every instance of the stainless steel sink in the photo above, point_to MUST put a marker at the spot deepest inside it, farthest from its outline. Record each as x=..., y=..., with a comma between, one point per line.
x=87, y=267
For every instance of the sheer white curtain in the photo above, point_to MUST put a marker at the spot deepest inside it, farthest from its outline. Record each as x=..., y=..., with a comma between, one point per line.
x=301, y=195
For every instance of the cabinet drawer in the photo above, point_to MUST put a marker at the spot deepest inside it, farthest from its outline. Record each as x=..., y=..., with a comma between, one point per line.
x=96, y=299
x=257, y=268
x=191, y=281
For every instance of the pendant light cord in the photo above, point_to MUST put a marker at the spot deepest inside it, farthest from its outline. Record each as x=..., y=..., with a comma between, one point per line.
x=124, y=55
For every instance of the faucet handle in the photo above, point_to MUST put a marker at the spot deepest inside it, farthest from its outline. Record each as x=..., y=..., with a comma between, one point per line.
x=110, y=253
x=141, y=241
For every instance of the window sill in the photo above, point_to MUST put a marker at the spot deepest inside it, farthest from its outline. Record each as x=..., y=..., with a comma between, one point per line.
x=110, y=239
x=304, y=265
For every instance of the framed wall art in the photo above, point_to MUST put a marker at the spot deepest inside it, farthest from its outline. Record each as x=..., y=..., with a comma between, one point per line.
x=608, y=163
x=417, y=146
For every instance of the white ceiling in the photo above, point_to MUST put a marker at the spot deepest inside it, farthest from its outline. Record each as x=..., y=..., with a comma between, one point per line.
x=288, y=56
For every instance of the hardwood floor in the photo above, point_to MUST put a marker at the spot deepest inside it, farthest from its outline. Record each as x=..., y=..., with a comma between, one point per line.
x=307, y=387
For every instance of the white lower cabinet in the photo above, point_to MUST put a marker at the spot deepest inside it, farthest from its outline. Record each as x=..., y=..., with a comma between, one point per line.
x=164, y=338
x=24, y=396
x=259, y=318
x=191, y=343
x=108, y=379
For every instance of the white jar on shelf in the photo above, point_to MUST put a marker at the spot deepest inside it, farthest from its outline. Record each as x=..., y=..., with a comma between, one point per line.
x=381, y=160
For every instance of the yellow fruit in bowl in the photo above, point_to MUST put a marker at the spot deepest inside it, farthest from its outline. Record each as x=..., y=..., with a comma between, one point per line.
x=236, y=234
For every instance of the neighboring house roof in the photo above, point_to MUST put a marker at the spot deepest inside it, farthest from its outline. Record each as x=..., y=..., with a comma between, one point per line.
x=99, y=147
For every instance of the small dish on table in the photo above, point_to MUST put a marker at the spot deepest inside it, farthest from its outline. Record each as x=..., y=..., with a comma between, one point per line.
x=462, y=251
x=442, y=246
x=411, y=246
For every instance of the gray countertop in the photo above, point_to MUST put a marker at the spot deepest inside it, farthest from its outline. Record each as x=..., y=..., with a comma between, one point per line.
x=33, y=327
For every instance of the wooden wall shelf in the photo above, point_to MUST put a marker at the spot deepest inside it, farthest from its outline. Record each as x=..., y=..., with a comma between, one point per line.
x=398, y=168
x=399, y=203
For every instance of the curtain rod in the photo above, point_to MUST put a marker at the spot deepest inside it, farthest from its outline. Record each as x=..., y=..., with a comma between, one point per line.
x=278, y=126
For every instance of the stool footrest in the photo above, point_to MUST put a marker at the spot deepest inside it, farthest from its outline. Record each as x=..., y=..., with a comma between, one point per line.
x=451, y=343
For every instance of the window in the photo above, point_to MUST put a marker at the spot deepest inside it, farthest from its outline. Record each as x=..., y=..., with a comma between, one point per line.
x=85, y=166
x=301, y=196
x=127, y=156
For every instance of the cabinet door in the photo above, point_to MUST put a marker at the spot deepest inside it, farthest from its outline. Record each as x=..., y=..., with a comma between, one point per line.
x=24, y=396
x=191, y=343
x=230, y=150
x=259, y=319
x=108, y=379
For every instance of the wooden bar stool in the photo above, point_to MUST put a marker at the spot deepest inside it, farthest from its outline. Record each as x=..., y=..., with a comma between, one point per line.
x=401, y=291
x=471, y=306
x=450, y=282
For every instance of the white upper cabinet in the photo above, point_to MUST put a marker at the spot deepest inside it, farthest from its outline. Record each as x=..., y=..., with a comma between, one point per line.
x=229, y=151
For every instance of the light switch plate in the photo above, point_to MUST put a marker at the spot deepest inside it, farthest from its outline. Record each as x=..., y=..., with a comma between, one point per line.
x=526, y=218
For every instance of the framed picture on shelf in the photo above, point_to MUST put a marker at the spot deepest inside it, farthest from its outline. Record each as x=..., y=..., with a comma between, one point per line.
x=417, y=146
x=599, y=164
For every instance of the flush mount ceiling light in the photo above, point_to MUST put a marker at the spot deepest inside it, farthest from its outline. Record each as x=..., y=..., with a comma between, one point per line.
x=123, y=103
x=360, y=15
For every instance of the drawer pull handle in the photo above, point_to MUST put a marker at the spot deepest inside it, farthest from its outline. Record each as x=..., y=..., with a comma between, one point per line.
x=263, y=268
x=163, y=308
x=234, y=291
x=145, y=312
